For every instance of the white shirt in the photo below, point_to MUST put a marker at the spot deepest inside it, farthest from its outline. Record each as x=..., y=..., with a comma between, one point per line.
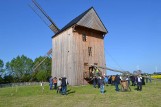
x=59, y=83
x=120, y=77
x=139, y=79
x=127, y=79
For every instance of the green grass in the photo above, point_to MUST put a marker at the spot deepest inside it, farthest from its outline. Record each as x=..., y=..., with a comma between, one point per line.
x=81, y=96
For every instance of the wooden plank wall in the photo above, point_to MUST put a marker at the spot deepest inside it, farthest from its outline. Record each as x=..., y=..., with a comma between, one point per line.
x=91, y=20
x=94, y=40
x=70, y=53
x=62, y=55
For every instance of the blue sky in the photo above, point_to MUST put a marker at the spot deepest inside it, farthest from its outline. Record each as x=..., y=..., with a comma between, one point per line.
x=133, y=41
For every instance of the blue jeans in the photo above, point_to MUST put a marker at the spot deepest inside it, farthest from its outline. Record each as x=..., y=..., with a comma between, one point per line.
x=117, y=87
x=51, y=86
x=94, y=84
x=64, y=89
x=102, y=89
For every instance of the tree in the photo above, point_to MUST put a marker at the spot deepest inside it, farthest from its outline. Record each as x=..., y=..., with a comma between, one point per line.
x=8, y=70
x=43, y=71
x=1, y=67
x=41, y=75
x=8, y=79
x=20, y=67
x=1, y=80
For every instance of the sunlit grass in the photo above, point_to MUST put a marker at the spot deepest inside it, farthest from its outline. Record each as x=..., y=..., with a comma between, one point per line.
x=81, y=96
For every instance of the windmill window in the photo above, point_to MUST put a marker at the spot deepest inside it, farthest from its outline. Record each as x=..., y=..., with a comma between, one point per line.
x=84, y=37
x=85, y=64
x=90, y=51
x=95, y=63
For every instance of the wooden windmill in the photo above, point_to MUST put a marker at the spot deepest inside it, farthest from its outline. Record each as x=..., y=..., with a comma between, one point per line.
x=77, y=46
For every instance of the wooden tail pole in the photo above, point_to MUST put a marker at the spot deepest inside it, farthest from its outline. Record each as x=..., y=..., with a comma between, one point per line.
x=123, y=72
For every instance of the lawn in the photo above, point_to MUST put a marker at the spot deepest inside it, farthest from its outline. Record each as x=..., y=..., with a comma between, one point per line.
x=81, y=96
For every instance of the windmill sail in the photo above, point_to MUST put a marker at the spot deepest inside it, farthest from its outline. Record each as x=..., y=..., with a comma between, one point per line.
x=43, y=16
x=48, y=21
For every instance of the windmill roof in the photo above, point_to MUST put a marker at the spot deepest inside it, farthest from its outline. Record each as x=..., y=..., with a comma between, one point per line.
x=80, y=20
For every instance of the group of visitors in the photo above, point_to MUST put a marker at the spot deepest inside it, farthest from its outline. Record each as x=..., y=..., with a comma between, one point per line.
x=59, y=84
x=124, y=81
x=100, y=81
x=138, y=80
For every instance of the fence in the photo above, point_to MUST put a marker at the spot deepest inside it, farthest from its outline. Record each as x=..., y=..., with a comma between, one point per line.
x=21, y=84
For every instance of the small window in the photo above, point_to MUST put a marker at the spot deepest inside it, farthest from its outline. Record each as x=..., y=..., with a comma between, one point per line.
x=85, y=64
x=84, y=37
x=95, y=63
x=90, y=51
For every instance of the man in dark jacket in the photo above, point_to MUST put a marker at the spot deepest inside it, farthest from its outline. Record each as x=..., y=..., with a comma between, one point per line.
x=132, y=80
x=94, y=81
x=117, y=82
x=64, y=85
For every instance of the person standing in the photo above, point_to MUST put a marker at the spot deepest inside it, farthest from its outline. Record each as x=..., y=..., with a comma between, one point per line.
x=113, y=79
x=143, y=81
x=64, y=85
x=139, y=83
x=94, y=81
x=147, y=78
x=59, y=85
x=97, y=72
x=110, y=80
x=102, y=85
x=132, y=80
x=51, y=82
x=128, y=80
x=117, y=82
x=98, y=81
x=55, y=83
x=106, y=79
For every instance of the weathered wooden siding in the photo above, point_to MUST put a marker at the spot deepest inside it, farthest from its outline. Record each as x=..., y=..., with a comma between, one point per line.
x=62, y=56
x=96, y=41
x=91, y=20
x=70, y=53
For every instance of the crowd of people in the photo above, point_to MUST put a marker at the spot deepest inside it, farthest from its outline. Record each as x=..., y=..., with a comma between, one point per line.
x=59, y=84
x=122, y=81
x=99, y=81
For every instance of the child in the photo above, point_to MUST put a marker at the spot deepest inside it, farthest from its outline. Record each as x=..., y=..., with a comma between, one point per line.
x=59, y=85
x=55, y=82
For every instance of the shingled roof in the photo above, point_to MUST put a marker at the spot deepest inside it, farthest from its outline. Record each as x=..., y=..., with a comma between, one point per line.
x=88, y=19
